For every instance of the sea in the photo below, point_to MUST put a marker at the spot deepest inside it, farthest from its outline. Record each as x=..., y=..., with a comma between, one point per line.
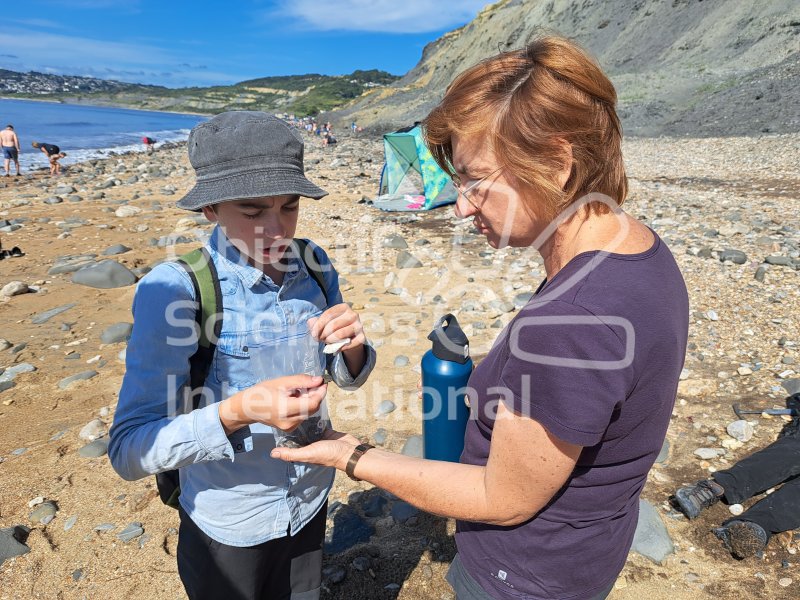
x=88, y=132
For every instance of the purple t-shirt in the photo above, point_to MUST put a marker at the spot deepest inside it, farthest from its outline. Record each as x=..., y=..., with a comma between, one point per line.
x=595, y=358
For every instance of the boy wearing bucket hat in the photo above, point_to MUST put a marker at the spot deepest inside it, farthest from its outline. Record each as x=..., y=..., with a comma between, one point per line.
x=251, y=527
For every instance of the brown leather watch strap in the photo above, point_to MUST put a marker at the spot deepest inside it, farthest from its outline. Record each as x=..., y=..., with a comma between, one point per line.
x=358, y=452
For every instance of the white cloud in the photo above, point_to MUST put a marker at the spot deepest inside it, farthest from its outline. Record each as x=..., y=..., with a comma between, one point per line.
x=133, y=61
x=37, y=47
x=43, y=23
x=390, y=16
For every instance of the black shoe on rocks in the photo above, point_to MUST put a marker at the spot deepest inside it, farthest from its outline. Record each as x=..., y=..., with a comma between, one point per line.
x=694, y=498
x=743, y=539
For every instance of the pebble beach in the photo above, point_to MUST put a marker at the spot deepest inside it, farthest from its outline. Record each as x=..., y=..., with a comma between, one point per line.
x=729, y=208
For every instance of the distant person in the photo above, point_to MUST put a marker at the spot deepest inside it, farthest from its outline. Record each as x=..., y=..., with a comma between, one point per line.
x=149, y=144
x=10, y=144
x=354, y=126
x=749, y=533
x=328, y=139
x=53, y=154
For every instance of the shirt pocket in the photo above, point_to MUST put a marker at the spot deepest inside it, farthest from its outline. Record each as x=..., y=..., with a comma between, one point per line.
x=232, y=366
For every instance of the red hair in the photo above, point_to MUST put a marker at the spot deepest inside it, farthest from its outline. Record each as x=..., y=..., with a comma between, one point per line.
x=526, y=104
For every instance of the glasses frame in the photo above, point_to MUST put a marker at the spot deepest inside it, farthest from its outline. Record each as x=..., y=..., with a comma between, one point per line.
x=467, y=190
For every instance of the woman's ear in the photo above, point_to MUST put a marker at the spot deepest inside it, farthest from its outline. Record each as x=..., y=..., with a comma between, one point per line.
x=566, y=169
x=210, y=213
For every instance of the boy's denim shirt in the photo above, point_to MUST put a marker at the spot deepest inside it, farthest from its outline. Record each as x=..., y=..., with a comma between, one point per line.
x=230, y=486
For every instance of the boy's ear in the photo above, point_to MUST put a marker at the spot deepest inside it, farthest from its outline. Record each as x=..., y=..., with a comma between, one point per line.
x=210, y=213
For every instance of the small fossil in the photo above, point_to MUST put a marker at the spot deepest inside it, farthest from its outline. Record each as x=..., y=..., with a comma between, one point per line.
x=336, y=346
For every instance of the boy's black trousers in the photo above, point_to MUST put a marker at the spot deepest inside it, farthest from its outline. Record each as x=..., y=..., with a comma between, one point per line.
x=287, y=568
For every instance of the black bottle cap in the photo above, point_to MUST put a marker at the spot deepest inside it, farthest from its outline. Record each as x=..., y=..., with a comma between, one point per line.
x=449, y=341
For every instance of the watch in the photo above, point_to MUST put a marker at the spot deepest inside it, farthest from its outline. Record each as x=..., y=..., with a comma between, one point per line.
x=358, y=452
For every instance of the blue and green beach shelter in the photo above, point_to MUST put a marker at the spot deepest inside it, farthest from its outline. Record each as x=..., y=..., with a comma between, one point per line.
x=411, y=179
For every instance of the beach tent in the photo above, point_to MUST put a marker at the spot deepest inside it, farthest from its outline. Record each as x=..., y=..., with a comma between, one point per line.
x=411, y=179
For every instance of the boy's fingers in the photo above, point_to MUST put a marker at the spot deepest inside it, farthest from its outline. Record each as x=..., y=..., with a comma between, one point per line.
x=301, y=382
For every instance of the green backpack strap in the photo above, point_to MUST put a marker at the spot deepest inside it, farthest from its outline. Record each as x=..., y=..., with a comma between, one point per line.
x=203, y=273
x=309, y=259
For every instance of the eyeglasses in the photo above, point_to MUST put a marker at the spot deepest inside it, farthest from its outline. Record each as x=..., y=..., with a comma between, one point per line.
x=466, y=191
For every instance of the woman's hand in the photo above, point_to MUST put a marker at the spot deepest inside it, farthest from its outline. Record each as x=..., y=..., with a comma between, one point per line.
x=333, y=451
x=283, y=403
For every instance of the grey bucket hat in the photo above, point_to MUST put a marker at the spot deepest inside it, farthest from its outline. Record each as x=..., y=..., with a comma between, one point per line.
x=245, y=154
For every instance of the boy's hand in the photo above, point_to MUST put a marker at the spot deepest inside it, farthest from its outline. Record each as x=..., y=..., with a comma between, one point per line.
x=337, y=323
x=283, y=403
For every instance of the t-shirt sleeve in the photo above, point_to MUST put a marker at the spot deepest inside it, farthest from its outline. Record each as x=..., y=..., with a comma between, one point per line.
x=568, y=369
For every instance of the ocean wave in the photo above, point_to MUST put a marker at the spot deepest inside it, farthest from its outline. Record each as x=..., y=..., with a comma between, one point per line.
x=37, y=160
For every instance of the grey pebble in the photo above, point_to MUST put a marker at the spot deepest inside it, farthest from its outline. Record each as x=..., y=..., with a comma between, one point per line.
x=406, y=260
x=735, y=256
x=521, y=299
x=67, y=381
x=413, y=446
x=401, y=361
x=781, y=261
x=394, y=241
x=131, y=532
x=104, y=527
x=651, y=538
x=70, y=522
x=43, y=512
x=380, y=436
x=95, y=449
x=118, y=332
x=47, y=315
x=106, y=274
x=384, y=408
x=116, y=249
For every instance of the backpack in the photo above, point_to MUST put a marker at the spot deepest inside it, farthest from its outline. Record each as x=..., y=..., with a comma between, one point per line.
x=203, y=273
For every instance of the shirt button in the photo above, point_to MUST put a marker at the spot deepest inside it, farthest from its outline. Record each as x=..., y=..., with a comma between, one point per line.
x=244, y=348
x=238, y=446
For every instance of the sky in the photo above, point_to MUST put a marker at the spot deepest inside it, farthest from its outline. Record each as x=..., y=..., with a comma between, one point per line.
x=178, y=43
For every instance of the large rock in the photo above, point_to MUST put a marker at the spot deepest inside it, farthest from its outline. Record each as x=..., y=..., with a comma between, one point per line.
x=14, y=288
x=651, y=538
x=12, y=542
x=104, y=275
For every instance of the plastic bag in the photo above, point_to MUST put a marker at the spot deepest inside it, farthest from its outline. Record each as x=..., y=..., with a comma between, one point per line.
x=298, y=353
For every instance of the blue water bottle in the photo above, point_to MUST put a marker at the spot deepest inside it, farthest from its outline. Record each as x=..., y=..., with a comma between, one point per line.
x=446, y=368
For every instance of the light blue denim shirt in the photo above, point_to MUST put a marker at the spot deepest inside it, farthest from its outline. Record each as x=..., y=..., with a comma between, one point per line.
x=230, y=486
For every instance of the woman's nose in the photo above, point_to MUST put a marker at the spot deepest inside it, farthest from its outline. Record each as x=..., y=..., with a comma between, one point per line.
x=463, y=208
